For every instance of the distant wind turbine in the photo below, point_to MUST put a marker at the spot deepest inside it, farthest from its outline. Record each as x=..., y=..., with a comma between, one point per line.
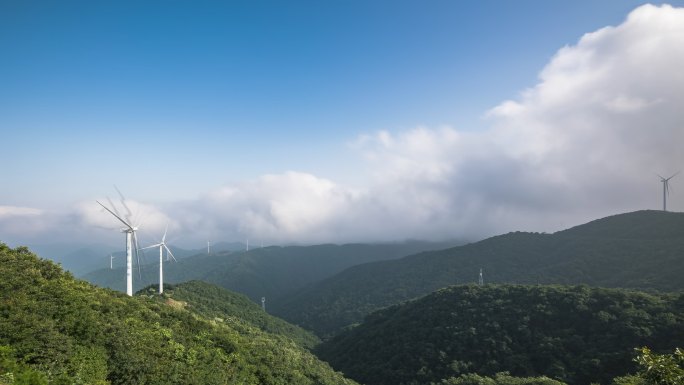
x=162, y=246
x=666, y=188
x=111, y=258
x=208, y=248
x=131, y=240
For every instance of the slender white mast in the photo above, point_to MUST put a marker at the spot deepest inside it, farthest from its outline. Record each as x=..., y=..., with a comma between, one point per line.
x=111, y=265
x=162, y=245
x=161, y=270
x=129, y=262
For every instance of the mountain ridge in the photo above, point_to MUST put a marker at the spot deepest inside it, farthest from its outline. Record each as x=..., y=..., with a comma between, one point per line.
x=273, y=272
x=599, y=253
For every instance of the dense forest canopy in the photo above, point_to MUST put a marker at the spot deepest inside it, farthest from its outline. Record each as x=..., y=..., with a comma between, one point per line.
x=66, y=331
x=573, y=334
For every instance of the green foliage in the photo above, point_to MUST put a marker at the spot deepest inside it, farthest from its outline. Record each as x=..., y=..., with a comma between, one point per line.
x=628, y=380
x=13, y=372
x=637, y=250
x=661, y=369
x=67, y=331
x=499, y=379
x=574, y=334
x=216, y=303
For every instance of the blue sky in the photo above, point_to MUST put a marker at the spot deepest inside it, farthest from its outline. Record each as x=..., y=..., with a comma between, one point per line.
x=174, y=101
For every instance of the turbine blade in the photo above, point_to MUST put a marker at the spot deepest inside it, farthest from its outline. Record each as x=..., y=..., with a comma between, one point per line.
x=117, y=217
x=137, y=255
x=170, y=253
x=165, y=230
x=673, y=175
x=129, y=213
x=149, y=247
x=113, y=206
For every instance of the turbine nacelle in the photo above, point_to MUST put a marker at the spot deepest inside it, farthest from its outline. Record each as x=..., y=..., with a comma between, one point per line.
x=666, y=188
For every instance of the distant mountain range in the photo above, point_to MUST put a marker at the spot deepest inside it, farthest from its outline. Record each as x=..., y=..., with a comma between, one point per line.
x=273, y=272
x=80, y=258
x=643, y=249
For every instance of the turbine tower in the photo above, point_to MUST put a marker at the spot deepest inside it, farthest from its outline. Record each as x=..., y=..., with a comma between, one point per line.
x=480, y=280
x=131, y=239
x=111, y=259
x=208, y=248
x=162, y=246
x=666, y=188
x=263, y=303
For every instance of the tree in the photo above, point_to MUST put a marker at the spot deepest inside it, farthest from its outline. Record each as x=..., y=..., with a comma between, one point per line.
x=661, y=369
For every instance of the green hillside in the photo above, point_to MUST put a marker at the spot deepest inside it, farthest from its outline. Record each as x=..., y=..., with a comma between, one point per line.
x=577, y=334
x=216, y=303
x=643, y=250
x=271, y=272
x=61, y=330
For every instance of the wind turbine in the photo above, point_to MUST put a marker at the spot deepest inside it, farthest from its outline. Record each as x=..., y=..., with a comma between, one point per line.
x=666, y=188
x=111, y=259
x=162, y=246
x=131, y=239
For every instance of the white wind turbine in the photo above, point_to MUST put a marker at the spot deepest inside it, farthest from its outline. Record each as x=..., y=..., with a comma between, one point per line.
x=666, y=188
x=162, y=246
x=131, y=240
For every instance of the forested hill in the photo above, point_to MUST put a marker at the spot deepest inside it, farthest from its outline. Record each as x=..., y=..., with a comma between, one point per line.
x=642, y=249
x=272, y=272
x=646, y=224
x=578, y=335
x=221, y=305
x=66, y=331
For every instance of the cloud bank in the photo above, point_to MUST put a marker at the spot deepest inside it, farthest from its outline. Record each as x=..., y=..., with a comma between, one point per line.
x=584, y=142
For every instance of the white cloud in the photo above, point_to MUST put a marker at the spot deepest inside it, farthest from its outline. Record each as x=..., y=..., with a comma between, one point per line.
x=607, y=110
x=289, y=207
x=584, y=142
x=24, y=222
x=151, y=221
x=15, y=211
